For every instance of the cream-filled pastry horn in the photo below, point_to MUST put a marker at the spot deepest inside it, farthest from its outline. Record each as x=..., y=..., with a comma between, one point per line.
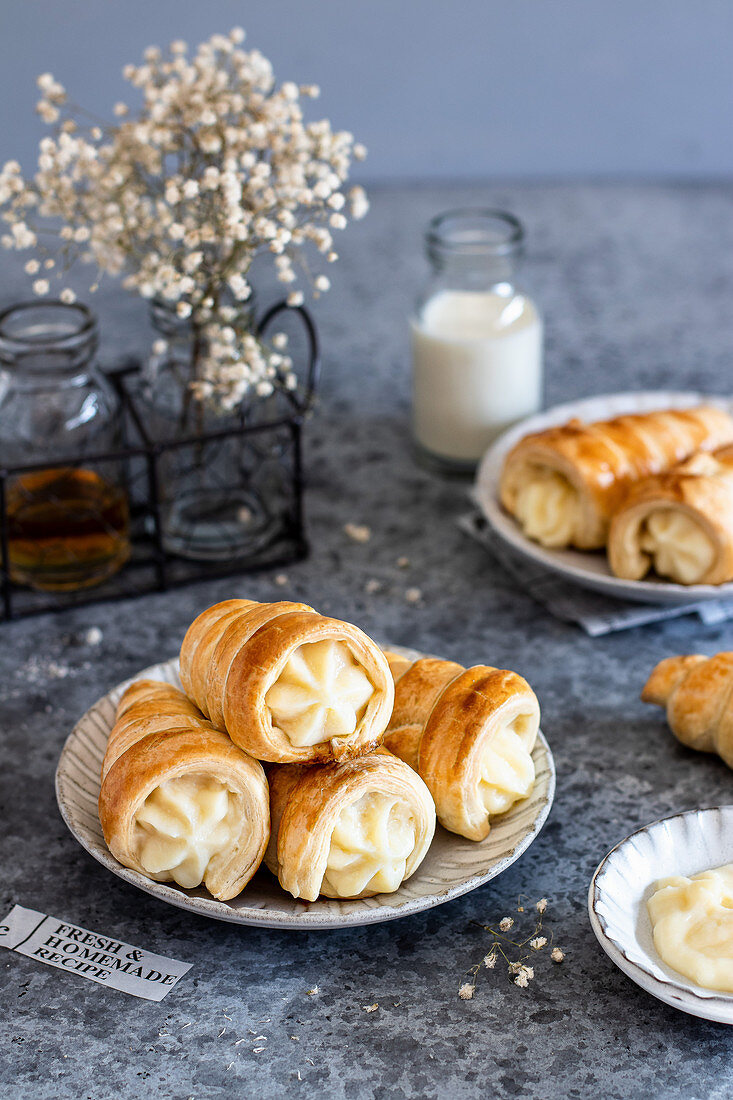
x=287, y=684
x=179, y=802
x=564, y=484
x=697, y=695
x=680, y=524
x=469, y=733
x=348, y=830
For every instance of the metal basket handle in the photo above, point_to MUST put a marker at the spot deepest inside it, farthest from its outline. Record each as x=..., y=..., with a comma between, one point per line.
x=302, y=400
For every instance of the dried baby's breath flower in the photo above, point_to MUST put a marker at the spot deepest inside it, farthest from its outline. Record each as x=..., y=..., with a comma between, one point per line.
x=403, y=562
x=217, y=167
x=466, y=991
x=370, y=1008
x=413, y=595
x=557, y=955
x=357, y=532
x=372, y=586
x=538, y=943
x=490, y=959
x=506, y=923
x=281, y=580
x=541, y=906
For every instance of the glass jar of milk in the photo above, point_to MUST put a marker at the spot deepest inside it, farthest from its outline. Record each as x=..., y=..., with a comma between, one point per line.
x=476, y=339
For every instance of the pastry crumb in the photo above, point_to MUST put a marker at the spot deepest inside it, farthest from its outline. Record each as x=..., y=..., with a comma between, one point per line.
x=244, y=514
x=312, y=992
x=221, y=1033
x=370, y=1008
x=557, y=954
x=466, y=991
x=413, y=595
x=240, y=1041
x=295, y=1038
x=299, y=1077
x=258, y=1050
x=281, y=580
x=357, y=532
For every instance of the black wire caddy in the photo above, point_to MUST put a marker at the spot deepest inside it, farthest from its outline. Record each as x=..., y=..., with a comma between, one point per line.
x=262, y=471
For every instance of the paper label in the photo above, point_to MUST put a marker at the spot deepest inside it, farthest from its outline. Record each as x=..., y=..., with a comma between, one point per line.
x=92, y=955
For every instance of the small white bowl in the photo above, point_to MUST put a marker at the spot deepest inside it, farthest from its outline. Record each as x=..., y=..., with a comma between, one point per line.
x=684, y=844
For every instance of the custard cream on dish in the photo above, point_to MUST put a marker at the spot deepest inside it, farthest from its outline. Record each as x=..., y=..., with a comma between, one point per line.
x=182, y=824
x=371, y=845
x=321, y=693
x=507, y=771
x=692, y=921
x=677, y=545
x=548, y=508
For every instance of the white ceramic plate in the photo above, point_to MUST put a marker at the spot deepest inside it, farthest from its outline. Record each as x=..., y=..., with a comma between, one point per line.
x=589, y=569
x=623, y=883
x=453, y=866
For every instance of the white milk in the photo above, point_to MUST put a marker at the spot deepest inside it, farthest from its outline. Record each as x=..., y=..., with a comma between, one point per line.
x=477, y=368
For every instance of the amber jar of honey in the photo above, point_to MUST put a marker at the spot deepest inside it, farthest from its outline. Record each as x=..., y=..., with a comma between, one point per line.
x=66, y=513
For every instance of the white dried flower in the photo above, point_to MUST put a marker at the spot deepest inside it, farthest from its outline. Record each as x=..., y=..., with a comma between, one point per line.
x=466, y=991
x=538, y=943
x=357, y=532
x=32, y=267
x=67, y=296
x=218, y=167
x=490, y=959
x=541, y=905
x=370, y=1008
x=413, y=595
x=506, y=923
x=41, y=287
x=557, y=955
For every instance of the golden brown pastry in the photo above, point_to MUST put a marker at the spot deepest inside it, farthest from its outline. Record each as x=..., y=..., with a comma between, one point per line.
x=179, y=802
x=697, y=692
x=679, y=523
x=348, y=830
x=563, y=485
x=469, y=733
x=287, y=684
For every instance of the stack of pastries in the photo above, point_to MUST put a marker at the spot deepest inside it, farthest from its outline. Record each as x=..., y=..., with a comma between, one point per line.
x=654, y=489
x=296, y=741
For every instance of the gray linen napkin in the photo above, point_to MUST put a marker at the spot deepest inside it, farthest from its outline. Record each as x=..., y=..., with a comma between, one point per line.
x=595, y=613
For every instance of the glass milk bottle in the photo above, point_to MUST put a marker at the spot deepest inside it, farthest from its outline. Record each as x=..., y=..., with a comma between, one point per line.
x=476, y=339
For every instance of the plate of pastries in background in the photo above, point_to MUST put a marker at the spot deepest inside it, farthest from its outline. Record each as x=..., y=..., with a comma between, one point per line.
x=286, y=771
x=629, y=494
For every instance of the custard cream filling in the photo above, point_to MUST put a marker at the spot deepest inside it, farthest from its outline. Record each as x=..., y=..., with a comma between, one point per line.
x=321, y=693
x=692, y=920
x=182, y=824
x=677, y=545
x=548, y=508
x=507, y=771
x=371, y=844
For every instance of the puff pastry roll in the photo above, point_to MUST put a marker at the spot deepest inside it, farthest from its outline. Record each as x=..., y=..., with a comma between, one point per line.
x=348, y=830
x=469, y=733
x=697, y=693
x=287, y=684
x=179, y=802
x=679, y=523
x=563, y=485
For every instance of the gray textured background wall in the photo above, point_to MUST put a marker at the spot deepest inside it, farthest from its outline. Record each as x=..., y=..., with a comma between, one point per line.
x=469, y=88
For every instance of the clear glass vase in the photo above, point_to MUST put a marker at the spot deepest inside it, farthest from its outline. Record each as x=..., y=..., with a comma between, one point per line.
x=217, y=470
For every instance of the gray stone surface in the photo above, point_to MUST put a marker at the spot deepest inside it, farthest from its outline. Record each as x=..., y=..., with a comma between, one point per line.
x=637, y=283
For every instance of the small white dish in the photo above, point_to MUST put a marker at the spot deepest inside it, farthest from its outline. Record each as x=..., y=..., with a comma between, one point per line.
x=683, y=844
x=589, y=569
x=452, y=867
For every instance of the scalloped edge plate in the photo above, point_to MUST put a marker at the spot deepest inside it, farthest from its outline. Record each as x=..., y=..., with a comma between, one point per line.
x=586, y=568
x=683, y=844
x=452, y=867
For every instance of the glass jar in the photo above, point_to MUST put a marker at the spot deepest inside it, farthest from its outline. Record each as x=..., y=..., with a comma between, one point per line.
x=476, y=339
x=66, y=517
